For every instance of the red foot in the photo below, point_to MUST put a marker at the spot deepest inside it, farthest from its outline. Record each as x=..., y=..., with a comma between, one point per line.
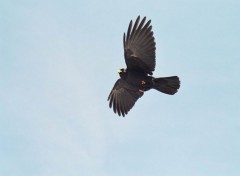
x=143, y=82
x=142, y=91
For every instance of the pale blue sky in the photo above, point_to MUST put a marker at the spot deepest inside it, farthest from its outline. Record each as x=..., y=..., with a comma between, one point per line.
x=59, y=61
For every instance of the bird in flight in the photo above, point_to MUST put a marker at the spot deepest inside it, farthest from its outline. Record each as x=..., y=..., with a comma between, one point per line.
x=139, y=53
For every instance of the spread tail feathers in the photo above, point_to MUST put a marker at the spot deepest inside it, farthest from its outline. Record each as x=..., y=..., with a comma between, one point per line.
x=168, y=85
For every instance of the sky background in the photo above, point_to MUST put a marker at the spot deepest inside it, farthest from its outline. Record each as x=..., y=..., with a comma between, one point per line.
x=59, y=61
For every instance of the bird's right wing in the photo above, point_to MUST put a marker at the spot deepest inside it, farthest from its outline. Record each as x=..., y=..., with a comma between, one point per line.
x=123, y=97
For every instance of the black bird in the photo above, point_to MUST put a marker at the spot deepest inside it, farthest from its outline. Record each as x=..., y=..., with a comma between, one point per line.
x=139, y=53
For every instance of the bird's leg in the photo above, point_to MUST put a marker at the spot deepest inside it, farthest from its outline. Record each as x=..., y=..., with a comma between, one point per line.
x=141, y=90
x=143, y=82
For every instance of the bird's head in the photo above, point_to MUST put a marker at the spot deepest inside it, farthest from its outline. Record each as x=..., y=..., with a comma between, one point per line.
x=122, y=72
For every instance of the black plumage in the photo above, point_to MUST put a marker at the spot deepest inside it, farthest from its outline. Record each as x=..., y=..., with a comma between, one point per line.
x=139, y=53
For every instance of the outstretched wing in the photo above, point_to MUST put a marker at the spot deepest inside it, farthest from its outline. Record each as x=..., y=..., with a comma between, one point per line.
x=123, y=97
x=139, y=46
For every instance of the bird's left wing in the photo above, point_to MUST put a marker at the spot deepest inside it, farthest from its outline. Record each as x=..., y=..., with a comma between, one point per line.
x=139, y=46
x=123, y=97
